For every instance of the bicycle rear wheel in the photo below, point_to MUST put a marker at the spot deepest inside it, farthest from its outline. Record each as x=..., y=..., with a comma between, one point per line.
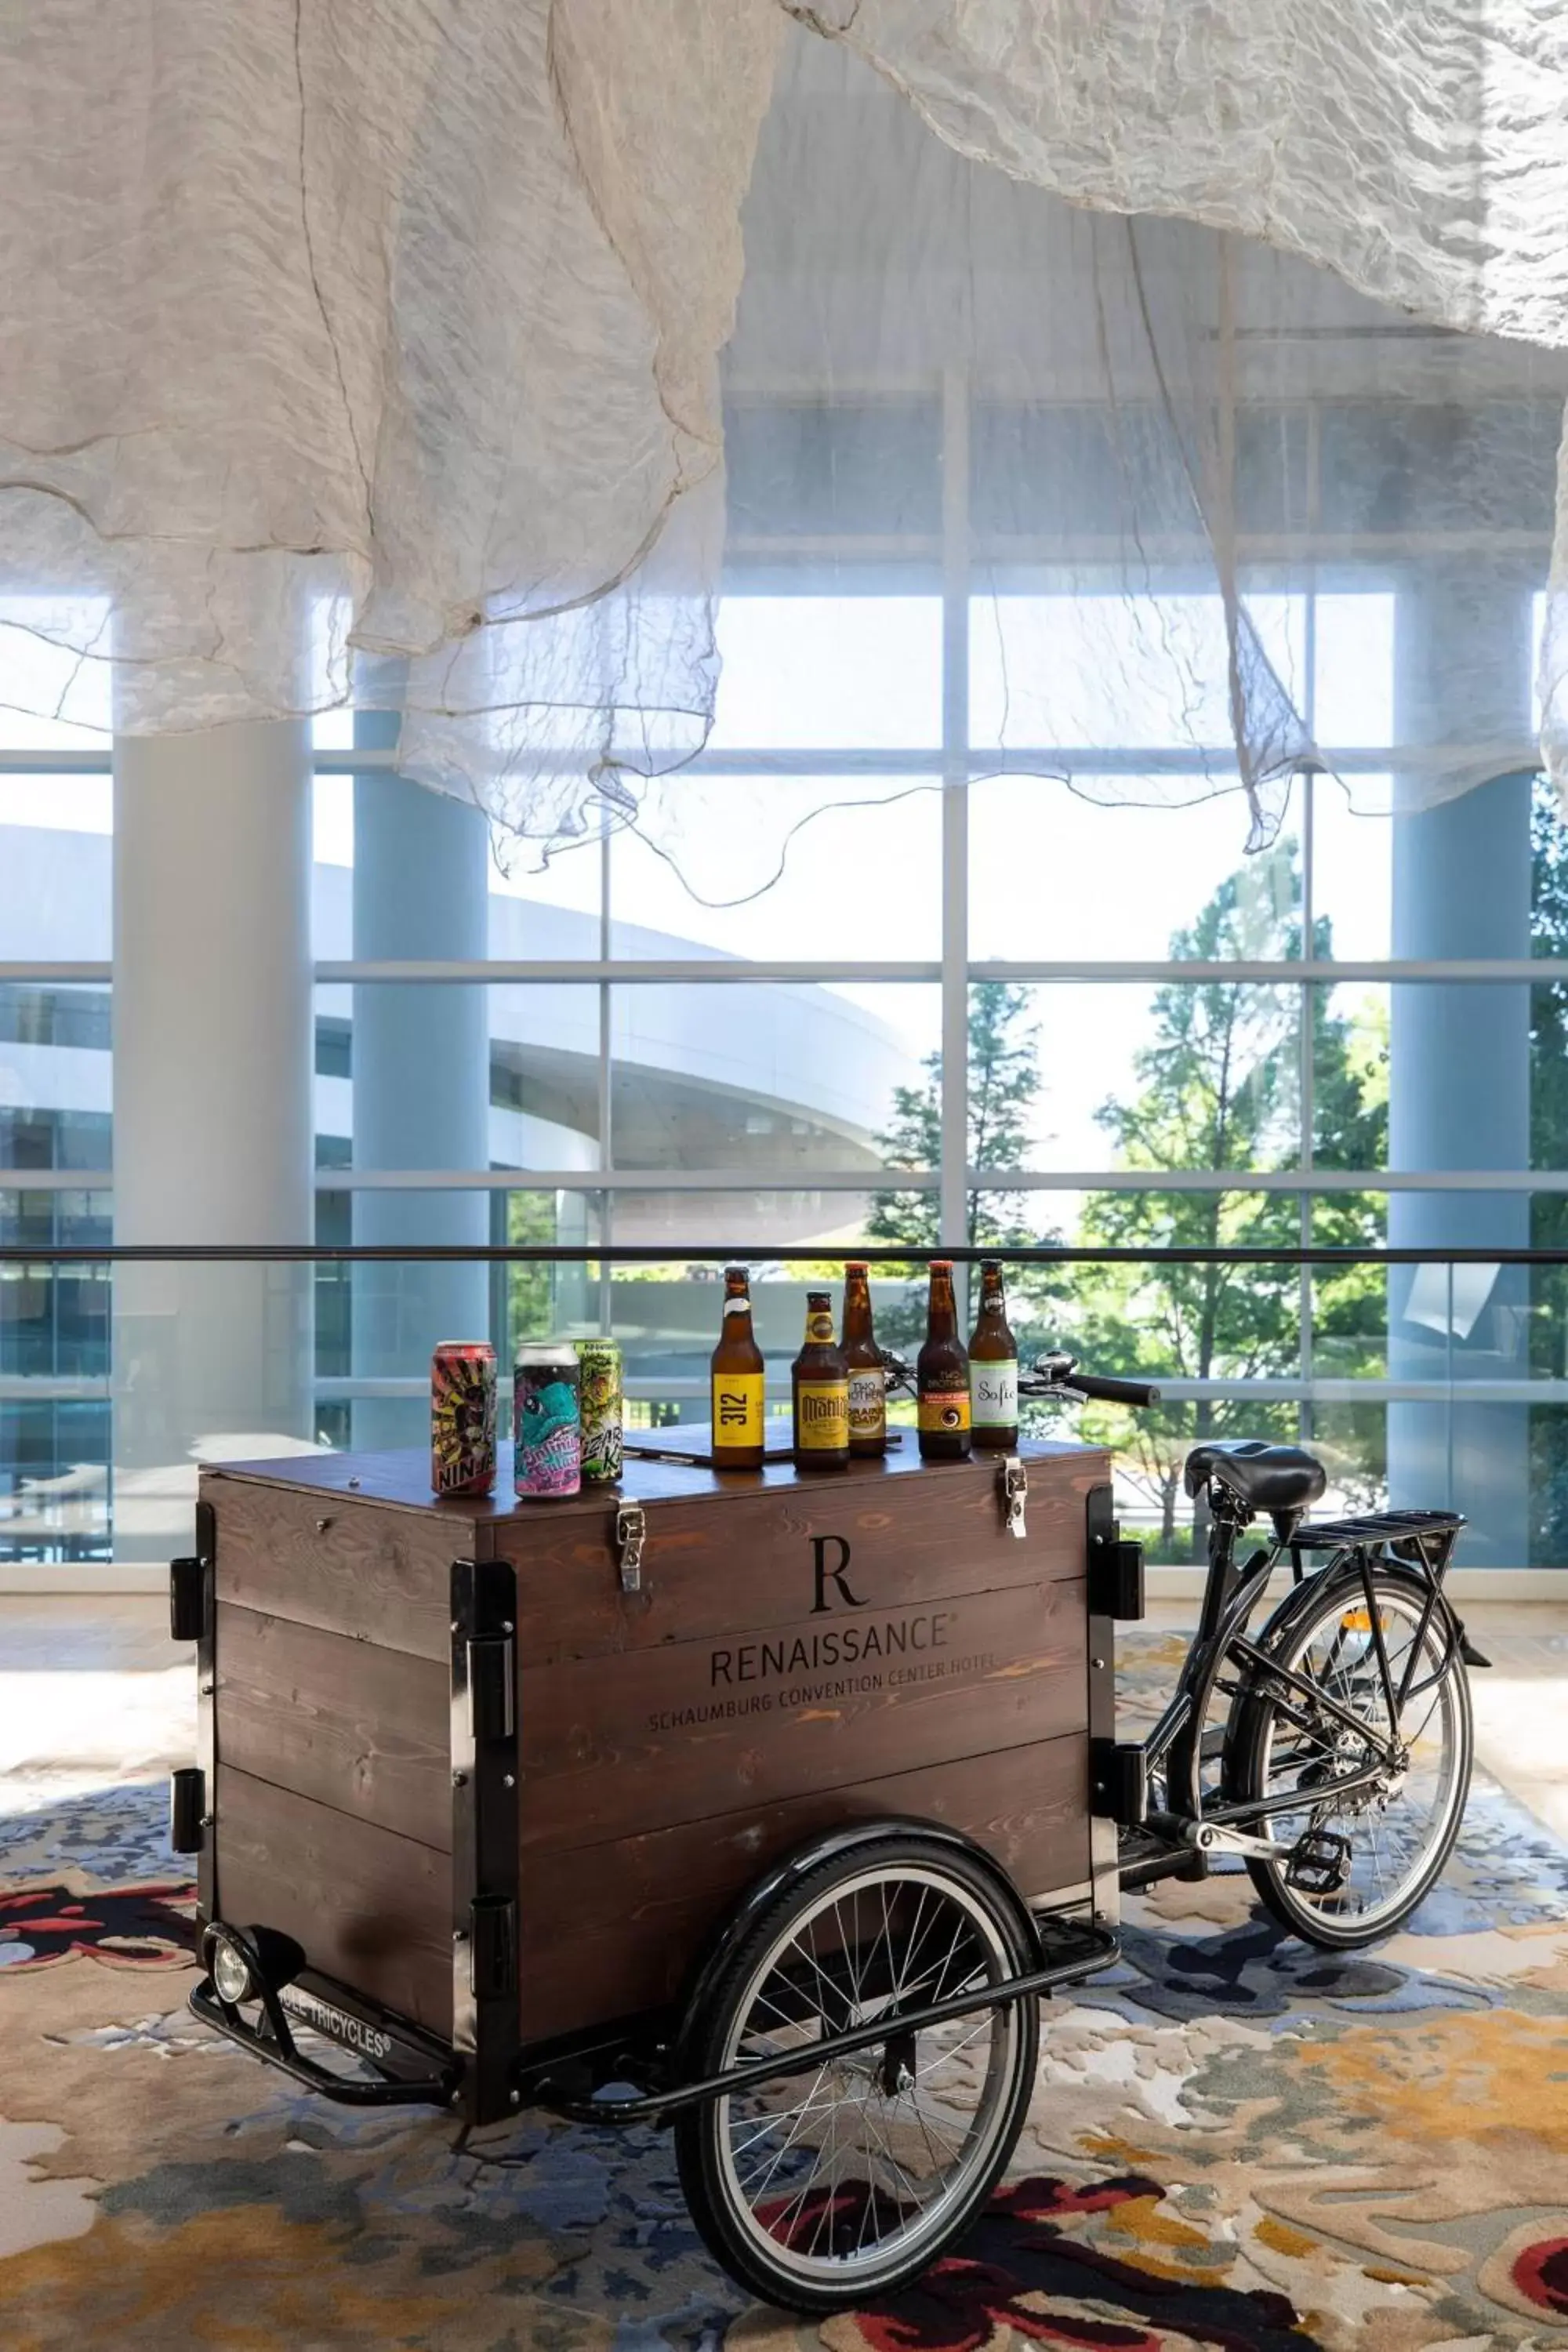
x=1354, y=1866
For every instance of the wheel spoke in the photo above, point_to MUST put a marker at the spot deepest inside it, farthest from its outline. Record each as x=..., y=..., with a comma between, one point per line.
x=855, y=2172
x=1392, y=1836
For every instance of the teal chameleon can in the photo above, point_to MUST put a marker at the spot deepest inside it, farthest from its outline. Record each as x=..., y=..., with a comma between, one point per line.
x=547, y=1422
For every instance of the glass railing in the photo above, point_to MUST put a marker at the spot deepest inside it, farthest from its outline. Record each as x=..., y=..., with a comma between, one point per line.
x=1438, y=1378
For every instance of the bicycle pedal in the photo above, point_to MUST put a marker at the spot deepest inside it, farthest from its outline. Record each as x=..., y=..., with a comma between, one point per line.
x=1319, y=1863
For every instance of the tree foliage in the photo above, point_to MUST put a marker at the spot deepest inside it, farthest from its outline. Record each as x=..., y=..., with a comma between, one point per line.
x=1219, y=1091
x=1004, y=1086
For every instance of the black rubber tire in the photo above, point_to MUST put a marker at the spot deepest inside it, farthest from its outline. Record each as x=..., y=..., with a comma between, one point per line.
x=1307, y=1607
x=706, y=2038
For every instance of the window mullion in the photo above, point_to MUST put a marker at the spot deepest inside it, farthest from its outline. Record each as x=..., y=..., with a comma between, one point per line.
x=955, y=525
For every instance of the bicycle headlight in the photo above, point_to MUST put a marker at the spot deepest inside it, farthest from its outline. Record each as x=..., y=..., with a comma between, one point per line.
x=230, y=1968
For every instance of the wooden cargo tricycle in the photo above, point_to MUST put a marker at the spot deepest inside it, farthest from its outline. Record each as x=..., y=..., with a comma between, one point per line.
x=769, y=1804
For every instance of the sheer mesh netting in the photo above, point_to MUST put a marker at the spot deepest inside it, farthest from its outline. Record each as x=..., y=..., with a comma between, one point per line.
x=477, y=349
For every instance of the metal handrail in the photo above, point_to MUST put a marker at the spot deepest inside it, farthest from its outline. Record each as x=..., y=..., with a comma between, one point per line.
x=749, y=1252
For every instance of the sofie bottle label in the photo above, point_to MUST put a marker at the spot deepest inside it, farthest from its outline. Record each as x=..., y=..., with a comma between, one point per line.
x=993, y=1394
x=737, y=1409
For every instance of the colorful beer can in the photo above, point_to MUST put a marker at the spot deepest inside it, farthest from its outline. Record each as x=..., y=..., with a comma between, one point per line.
x=547, y=1421
x=463, y=1417
x=602, y=1409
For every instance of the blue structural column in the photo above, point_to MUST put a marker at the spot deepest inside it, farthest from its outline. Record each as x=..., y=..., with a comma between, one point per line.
x=421, y=1076
x=1459, y=1065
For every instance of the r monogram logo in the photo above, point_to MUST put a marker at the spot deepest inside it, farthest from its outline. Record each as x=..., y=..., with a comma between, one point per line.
x=835, y=1575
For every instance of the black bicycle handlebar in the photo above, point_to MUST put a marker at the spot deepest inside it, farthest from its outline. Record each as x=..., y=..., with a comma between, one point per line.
x=1110, y=1392
x=1050, y=1377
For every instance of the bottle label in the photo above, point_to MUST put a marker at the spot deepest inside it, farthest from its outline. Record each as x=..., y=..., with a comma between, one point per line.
x=822, y=1416
x=993, y=1394
x=943, y=1410
x=740, y=1305
x=867, y=1405
x=737, y=1409
x=819, y=1328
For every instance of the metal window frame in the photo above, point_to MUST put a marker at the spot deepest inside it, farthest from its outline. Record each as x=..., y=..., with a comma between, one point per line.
x=950, y=565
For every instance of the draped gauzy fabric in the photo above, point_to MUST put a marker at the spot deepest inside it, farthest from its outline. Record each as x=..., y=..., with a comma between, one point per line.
x=417, y=330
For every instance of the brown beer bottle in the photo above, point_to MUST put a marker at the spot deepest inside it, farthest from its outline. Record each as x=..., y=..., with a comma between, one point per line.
x=736, y=1383
x=994, y=1367
x=821, y=1386
x=941, y=1374
x=863, y=1362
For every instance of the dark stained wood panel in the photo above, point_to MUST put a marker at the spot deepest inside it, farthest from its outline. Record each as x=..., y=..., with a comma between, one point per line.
x=805, y=1650
x=682, y=1733
x=370, y=1908
x=355, y=1725
x=754, y=1560
x=643, y=1908
x=344, y=1565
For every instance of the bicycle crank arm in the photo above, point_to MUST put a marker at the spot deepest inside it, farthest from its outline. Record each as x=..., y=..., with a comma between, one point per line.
x=1211, y=1838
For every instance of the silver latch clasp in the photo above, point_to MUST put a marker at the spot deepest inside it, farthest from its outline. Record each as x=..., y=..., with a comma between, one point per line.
x=1015, y=1492
x=631, y=1534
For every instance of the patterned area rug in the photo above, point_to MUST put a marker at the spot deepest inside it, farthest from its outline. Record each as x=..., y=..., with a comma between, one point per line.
x=1237, y=2143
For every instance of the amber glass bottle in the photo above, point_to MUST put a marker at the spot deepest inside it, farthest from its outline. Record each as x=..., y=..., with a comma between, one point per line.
x=941, y=1374
x=863, y=1362
x=736, y=1384
x=821, y=1387
x=994, y=1368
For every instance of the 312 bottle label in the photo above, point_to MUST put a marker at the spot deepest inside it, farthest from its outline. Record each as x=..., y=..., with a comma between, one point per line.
x=737, y=1409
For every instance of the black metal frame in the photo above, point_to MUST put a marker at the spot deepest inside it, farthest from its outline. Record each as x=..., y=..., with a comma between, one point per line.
x=417, y=2069
x=1114, y=1581
x=192, y=1789
x=485, y=2032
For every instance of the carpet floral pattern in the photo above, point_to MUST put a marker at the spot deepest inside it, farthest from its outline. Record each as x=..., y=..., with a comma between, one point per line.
x=1237, y=2142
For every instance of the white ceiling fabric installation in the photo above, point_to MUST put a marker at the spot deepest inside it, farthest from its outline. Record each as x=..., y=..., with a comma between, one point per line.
x=417, y=330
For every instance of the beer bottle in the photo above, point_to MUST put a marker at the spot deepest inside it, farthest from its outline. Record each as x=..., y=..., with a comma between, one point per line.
x=994, y=1367
x=863, y=1362
x=942, y=1375
x=736, y=1383
x=821, y=1385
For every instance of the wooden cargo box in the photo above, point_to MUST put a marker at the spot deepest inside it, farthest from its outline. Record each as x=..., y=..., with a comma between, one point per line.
x=798, y=1651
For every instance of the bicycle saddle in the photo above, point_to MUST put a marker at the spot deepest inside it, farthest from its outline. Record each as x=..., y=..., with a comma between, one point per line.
x=1270, y=1477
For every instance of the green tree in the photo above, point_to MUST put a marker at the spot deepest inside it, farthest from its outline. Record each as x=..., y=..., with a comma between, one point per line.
x=1219, y=1089
x=1004, y=1086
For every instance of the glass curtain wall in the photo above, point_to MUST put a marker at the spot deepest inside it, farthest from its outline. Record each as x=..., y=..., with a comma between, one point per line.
x=1204, y=1053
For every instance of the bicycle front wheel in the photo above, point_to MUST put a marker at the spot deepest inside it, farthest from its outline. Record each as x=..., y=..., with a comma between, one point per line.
x=1354, y=1863
x=826, y=2187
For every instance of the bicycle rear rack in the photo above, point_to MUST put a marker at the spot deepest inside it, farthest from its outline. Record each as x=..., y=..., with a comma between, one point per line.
x=1374, y=1527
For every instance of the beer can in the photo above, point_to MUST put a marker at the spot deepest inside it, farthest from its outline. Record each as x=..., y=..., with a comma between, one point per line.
x=463, y=1417
x=547, y=1420
x=602, y=1406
